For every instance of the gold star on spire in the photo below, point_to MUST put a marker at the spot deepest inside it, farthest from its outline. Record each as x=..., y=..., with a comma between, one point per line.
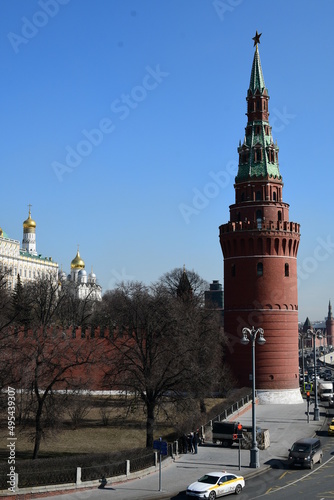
x=256, y=38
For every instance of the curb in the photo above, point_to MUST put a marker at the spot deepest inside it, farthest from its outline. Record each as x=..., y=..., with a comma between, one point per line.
x=41, y=491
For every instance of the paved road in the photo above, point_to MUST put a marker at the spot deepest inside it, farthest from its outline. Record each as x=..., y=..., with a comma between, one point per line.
x=286, y=423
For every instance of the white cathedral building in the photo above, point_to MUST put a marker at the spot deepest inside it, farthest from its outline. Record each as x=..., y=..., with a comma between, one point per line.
x=26, y=262
x=85, y=287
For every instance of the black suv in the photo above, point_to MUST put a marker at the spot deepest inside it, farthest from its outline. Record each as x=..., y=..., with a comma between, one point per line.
x=305, y=452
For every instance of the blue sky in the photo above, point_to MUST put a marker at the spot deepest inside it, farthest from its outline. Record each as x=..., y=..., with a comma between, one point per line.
x=120, y=122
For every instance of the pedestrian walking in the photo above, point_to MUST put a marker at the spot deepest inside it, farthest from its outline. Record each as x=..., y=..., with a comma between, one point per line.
x=195, y=441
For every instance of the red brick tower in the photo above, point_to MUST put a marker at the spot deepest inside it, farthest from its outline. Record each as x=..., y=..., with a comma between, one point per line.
x=330, y=326
x=260, y=246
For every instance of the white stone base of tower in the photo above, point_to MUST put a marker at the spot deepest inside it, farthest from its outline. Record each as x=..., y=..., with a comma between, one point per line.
x=279, y=396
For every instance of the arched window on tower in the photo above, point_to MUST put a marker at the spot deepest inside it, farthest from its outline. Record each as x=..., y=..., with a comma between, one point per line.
x=258, y=195
x=242, y=196
x=286, y=270
x=233, y=270
x=274, y=196
x=259, y=218
x=276, y=246
x=260, y=152
x=259, y=269
x=271, y=156
x=279, y=215
x=284, y=246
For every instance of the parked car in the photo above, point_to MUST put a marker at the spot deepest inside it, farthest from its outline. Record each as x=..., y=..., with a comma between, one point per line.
x=305, y=453
x=331, y=428
x=216, y=484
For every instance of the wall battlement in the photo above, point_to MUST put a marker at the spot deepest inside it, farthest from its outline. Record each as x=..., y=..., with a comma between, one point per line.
x=292, y=227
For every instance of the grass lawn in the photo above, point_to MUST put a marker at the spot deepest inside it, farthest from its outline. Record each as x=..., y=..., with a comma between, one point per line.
x=124, y=431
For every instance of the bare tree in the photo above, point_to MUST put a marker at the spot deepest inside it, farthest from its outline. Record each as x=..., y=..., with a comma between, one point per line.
x=52, y=362
x=163, y=347
x=176, y=282
x=45, y=299
x=74, y=311
x=51, y=358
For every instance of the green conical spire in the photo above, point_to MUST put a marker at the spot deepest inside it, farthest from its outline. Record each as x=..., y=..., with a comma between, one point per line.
x=256, y=79
x=258, y=155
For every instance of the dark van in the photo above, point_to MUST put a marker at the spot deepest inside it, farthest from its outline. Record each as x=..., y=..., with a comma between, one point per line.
x=305, y=453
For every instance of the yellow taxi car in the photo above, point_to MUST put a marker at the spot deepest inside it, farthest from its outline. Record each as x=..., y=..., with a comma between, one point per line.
x=216, y=484
x=331, y=428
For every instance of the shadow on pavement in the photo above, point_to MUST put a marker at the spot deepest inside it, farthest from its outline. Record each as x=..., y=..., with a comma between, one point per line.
x=180, y=496
x=276, y=463
x=322, y=433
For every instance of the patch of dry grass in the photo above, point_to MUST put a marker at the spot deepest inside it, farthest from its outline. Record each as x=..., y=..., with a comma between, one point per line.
x=125, y=430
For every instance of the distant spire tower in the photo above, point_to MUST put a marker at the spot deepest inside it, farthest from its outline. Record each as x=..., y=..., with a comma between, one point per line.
x=330, y=325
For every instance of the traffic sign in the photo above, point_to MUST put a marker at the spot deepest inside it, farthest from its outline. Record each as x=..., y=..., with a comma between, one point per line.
x=156, y=444
x=161, y=446
x=163, y=449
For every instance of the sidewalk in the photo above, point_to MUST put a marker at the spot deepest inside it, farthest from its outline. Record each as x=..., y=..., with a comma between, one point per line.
x=286, y=424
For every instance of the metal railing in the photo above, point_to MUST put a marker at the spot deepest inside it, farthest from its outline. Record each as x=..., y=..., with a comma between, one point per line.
x=206, y=429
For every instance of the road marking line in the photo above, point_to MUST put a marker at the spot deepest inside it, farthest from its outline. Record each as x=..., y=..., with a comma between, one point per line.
x=297, y=480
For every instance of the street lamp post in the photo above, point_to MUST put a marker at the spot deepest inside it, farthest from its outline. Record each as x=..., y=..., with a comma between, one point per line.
x=315, y=335
x=302, y=337
x=254, y=452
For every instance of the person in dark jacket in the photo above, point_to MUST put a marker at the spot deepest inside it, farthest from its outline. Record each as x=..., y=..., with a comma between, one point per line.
x=195, y=441
x=190, y=442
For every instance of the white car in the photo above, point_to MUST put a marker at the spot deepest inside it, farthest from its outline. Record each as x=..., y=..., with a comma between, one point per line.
x=216, y=484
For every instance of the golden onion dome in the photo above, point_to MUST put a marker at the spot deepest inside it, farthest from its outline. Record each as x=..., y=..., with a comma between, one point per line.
x=29, y=223
x=77, y=262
